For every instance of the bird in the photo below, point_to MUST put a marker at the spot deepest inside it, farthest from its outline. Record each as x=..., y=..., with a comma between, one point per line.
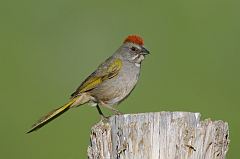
x=109, y=84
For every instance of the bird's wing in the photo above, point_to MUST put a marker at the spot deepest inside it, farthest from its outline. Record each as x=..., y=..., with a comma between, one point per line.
x=104, y=71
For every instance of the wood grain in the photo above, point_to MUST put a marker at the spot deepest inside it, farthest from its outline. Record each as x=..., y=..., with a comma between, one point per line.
x=160, y=135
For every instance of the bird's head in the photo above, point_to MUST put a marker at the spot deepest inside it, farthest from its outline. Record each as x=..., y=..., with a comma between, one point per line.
x=133, y=49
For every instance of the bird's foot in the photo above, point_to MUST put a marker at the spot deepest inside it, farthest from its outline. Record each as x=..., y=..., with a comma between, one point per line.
x=104, y=118
x=117, y=112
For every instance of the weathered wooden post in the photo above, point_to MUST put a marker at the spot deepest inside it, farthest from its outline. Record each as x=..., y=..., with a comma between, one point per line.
x=160, y=135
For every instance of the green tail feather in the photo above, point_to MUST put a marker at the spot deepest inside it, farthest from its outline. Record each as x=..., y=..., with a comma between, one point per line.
x=51, y=115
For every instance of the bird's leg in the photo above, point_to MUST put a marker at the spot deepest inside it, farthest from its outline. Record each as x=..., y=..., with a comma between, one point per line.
x=115, y=111
x=101, y=113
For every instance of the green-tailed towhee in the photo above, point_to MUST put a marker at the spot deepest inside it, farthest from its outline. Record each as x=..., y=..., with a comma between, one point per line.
x=110, y=84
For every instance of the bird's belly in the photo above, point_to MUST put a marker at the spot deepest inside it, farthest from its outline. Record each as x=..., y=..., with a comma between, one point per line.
x=116, y=89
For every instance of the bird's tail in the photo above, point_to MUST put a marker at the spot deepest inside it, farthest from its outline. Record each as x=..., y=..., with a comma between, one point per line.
x=52, y=115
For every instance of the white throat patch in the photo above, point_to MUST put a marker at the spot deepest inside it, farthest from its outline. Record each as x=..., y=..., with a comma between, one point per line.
x=137, y=64
x=138, y=59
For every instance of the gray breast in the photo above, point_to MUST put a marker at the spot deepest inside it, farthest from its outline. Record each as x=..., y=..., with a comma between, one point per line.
x=114, y=90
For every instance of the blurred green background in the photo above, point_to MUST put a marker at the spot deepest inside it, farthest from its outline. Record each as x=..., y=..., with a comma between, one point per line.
x=47, y=48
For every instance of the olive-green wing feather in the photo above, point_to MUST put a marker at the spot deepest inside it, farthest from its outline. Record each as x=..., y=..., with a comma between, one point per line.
x=104, y=71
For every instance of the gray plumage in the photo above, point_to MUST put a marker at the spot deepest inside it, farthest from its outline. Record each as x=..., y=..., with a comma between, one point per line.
x=109, y=84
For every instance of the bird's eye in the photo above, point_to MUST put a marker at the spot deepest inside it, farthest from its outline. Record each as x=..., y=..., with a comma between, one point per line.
x=133, y=48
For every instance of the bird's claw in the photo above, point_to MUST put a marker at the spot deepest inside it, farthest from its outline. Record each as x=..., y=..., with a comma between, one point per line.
x=118, y=113
x=105, y=118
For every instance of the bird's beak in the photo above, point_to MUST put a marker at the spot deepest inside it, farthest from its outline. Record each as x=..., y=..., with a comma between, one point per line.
x=144, y=51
